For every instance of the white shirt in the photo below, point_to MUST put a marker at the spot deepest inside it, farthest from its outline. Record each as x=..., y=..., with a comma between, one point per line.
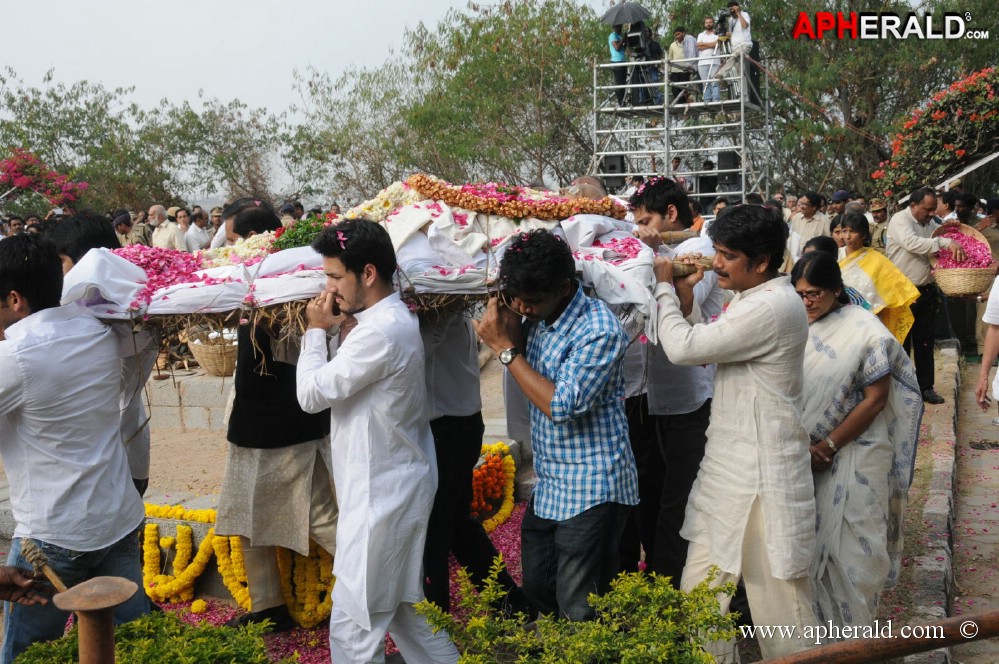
x=219, y=239
x=384, y=464
x=676, y=389
x=707, y=56
x=60, y=379
x=741, y=36
x=909, y=245
x=452, y=363
x=169, y=236
x=757, y=446
x=197, y=239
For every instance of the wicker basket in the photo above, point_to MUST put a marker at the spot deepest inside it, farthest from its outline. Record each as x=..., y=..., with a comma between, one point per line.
x=957, y=282
x=216, y=356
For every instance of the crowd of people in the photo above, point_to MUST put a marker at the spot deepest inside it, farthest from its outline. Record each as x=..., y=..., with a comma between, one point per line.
x=174, y=227
x=775, y=414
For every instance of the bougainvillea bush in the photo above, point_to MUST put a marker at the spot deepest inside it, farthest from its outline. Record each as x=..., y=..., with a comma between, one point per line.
x=23, y=171
x=958, y=126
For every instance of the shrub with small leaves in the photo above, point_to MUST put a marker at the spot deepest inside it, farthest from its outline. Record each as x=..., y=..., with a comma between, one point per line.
x=163, y=637
x=641, y=619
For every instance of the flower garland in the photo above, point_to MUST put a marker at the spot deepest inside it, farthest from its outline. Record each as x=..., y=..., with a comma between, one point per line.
x=493, y=480
x=388, y=200
x=179, y=586
x=229, y=553
x=247, y=251
x=512, y=201
x=307, y=584
x=25, y=172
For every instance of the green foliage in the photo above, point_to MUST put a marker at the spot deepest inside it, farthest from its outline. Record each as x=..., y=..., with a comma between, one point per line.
x=642, y=619
x=163, y=637
x=300, y=234
x=959, y=126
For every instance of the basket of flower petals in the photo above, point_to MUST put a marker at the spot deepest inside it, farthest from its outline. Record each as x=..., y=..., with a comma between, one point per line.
x=975, y=273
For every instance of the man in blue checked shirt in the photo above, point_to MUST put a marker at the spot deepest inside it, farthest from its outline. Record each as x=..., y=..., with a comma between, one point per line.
x=570, y=369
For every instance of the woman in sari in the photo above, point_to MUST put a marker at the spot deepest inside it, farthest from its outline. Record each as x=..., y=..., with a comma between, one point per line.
x=883, y=285
x=862, y=411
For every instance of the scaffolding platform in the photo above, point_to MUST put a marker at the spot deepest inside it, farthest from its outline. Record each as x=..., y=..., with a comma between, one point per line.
x=639, y=136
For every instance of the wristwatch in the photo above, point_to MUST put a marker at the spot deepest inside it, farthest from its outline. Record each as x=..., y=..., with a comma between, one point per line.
x=506, y=356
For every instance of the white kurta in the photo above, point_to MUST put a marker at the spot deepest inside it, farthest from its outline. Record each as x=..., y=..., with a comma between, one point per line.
x=757, y=446
x=384, y=467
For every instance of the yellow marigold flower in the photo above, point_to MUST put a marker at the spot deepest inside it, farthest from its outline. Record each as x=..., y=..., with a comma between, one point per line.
x=199, y=606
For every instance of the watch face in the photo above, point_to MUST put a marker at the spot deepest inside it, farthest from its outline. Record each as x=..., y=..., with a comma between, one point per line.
x=506, y=356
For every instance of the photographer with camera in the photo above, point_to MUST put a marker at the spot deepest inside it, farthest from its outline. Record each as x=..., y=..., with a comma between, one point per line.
x=617, y=43
x=740, y=38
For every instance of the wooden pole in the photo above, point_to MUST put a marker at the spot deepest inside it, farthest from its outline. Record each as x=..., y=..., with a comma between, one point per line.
x=94, y=601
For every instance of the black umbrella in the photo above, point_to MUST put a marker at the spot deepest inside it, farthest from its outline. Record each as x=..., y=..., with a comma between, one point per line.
x=628, y=12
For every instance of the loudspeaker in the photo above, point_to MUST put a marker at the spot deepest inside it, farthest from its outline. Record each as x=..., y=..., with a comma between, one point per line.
x=610, y=165
x=726, y=161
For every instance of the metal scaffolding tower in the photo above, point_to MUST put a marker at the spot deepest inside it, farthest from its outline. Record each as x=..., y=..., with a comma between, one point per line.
x=652, y=125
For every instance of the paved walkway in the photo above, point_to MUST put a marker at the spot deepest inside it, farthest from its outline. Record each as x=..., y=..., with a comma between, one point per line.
x=976, y=522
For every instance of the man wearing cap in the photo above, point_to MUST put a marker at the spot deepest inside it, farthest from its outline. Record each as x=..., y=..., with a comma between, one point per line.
x=909, y=247
x=167, y=234
x=836, y=203
x=123, y=229
x=879, y=214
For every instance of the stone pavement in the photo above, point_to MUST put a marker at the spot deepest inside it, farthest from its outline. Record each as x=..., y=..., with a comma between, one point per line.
x=976, y=521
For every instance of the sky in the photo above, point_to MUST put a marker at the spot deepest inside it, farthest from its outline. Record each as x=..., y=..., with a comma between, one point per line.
x=245, y=49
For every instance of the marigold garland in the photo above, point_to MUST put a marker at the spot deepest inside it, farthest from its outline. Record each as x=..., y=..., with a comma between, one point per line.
x=493, y=486
x=230, y=561
x=179, y=586
x=307, y=584
x=512, y=201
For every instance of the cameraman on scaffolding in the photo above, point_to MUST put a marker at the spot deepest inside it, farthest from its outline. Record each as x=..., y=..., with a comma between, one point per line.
x=741, y=40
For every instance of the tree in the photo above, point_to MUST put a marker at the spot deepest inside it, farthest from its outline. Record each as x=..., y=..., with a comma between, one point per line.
x=835, y=100
x=87, y=132
x=509, y=91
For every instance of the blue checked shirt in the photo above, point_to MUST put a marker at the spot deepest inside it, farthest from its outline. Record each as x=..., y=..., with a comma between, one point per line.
x=582, y=455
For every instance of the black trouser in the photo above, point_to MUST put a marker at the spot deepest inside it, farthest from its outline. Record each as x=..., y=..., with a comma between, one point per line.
x=640, y=528
x=458, y=443
x=620, y=78
x=920, y=338
x=668, y=459
x=675, y=90
x=681, y=439
x=963, y=317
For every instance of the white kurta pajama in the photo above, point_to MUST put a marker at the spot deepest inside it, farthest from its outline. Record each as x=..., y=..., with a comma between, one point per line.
x=755, y=482
x=385, y=476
